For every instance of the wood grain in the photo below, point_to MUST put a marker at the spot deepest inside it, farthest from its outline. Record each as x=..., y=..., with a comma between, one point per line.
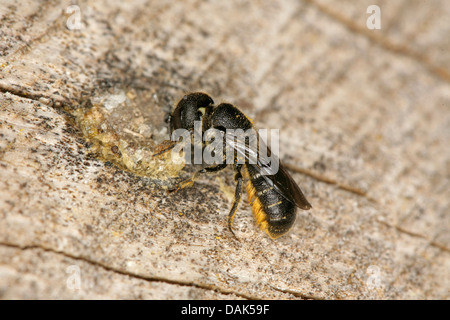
x=358, y=110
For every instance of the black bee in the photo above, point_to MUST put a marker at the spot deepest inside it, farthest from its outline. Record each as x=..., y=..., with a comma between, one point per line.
x=274, y=197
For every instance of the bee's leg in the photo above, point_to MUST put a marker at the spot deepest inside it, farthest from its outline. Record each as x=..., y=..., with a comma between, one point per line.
x=164, y=147
x=190, y=182
x=185, y=183
x=237, y=198
x=214, y=168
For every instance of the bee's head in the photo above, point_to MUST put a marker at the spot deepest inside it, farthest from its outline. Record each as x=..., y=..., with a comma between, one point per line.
x=192, y=107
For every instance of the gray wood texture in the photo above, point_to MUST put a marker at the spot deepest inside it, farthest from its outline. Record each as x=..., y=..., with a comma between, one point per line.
x=364, y=114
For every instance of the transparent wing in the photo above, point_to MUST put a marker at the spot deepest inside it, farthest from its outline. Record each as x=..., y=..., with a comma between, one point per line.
x=248, y=152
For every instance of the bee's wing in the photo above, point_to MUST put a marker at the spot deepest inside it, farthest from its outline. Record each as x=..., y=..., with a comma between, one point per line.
x=280, y=180
x=288, y=188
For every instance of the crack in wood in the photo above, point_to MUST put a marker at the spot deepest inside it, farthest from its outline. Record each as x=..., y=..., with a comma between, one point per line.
x=297, y=294
x=53, y=26
x=327, y=180
x=383, y=42
x=415, y=235
x=127, y=273
x=364, y=194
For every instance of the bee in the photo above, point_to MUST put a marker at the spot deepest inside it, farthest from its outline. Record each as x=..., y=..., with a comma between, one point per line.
x=274, y=197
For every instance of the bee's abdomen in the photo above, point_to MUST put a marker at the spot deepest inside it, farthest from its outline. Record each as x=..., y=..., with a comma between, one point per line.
x=273, y=212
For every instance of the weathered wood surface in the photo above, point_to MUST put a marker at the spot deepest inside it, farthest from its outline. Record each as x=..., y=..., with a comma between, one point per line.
x=369, y=109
